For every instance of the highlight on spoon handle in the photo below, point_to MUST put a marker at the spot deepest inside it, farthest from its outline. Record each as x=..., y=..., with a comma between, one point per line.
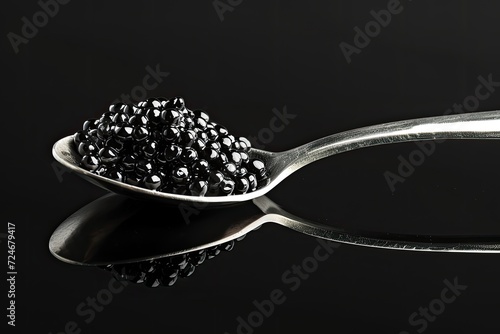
x=479, y=125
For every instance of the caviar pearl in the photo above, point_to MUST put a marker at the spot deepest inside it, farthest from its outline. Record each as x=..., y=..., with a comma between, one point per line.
x=87, y=148
x=108, y=155
x=198, y=188
x=180, y=174
x=188, y=155
x=172, y=152
x=90, y=162
x=152, y=181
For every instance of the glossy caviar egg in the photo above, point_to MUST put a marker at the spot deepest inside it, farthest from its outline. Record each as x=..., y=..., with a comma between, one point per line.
x=227, y=186
x=134, y=179
x=252, y=182
x=199, y=145
x=197, y=257
x=201, y=168
x=212, y=252
x=115, y=174
x=188, y=155
x=120, y=118
x=222, y=159
x=79, y=137
x=214, y=145
x=244, y=158
x=225, y=143
x=143, y=167
x=212, y=134
x=115, y=143
x=171, y=134
x=235, y=158
x=257, y=167
x=128, y=162
x=140, y=133
x=108, y=155
x=90, y=162
x=221, y=129
x=188, y=270
x=87, y=148
x=228, y=246
x=244, y=143
x=180, y=174
x=123, y=131
x=171, y=116
x=177, y=102
x=154, y=116
x=187, y=138
x=151, y=181
x=179, y=260
x=215, y=178
x=138, y=120
x=172, y=152
x=150, y=149
x=210, y=154
x=198, y=188
x=240, y=172
x=229, y=169
x=201, y=114
x=90, y=124
x=241, y=185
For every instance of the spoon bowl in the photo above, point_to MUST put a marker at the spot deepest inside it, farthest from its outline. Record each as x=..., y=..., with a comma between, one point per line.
x=479, y=125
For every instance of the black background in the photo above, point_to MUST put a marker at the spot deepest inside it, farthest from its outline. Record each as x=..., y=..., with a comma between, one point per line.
x=263, y=55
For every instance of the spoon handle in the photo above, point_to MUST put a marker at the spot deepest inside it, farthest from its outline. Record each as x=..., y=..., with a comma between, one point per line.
x=479, y=125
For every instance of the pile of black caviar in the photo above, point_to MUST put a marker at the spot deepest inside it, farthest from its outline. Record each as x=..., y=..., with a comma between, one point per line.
x=161, y=145
x=165, y=272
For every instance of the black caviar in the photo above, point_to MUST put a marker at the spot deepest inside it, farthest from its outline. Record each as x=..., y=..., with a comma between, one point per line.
x=161, y=145
x=166, y=271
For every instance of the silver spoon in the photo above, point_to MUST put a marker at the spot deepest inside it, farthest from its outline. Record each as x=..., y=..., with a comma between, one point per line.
x=115, y=229
x=479, y=125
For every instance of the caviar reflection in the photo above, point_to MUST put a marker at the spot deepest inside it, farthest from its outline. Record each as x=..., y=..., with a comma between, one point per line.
x=140, y=241
x=166, y=271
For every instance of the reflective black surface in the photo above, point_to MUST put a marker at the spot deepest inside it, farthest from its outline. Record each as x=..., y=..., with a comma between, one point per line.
x=116, y=229
x=263, y=56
